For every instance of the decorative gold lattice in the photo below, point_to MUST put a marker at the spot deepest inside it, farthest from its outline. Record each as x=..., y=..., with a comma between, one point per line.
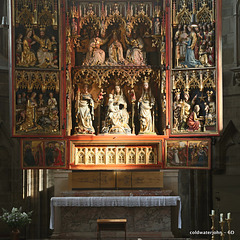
x=183, y=17
x=193, y=79
x=25, y=17
x=205, y=15
x=124, y=75
x=30, y=80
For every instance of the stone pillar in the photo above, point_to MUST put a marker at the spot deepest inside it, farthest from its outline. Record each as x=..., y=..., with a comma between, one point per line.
x=60, y=185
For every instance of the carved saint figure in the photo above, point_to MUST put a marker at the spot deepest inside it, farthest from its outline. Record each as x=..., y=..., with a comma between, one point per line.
x=177, y=105
x=186, y=106
x=53, y=112
x=117, y=115
x=95, y=55
x=135, y=52
x=193, y=120
x=19, y=48
x=145, y=105
x=31, y=115
x=84, y=109
x=44, y=54
x=210, y=117
x=28, y=58
x=190, y=60
x=157, y=26
x=115, y=52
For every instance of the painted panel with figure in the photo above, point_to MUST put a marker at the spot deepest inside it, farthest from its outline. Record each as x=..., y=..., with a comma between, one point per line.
x=188, y=154
x=44, y=154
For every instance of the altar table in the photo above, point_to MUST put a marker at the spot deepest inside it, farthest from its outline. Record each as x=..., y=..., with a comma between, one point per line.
x=115, y=201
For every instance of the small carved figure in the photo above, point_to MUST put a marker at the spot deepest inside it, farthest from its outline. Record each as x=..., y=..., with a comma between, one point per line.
x=177, y=110
x=190, y=60
x=44, y=53
x=135, y=52
x=74, y=27
x=211, y=53
x=28, y=58
x=186, y=106
x=101, y=94
x=19, y=99
x=115, y=52
x=54, y=51
x=24, y=99
x=53, y=112
x=211, y=114
x=84, y=109
x=157, y=26
x=145, y=105
x=178, y=44
x=203, y=55
x=132, y=95
x=19, y=48
x=43, y=112
x=193, y=120
x=95, y=55
x=30, y=122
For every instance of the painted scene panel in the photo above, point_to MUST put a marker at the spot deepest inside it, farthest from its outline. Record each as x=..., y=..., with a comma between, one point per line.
x=44, y=154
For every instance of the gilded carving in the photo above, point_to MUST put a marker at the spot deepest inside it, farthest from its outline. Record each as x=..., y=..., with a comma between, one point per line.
x=193, y=42
x=194, y=101
x=37, y=103
x=37, y=41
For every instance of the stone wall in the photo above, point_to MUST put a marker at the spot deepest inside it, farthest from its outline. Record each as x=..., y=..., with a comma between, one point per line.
x=226, y=157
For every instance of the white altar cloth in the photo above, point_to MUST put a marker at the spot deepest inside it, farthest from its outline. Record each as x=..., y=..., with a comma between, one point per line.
x=115, y=201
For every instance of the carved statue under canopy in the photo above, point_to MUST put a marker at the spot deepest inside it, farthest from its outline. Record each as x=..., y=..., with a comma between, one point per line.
x=135, y=52
x=95, y=55
x=145, y=105
x=117, y=118
x=115, y=52
x=84, y=109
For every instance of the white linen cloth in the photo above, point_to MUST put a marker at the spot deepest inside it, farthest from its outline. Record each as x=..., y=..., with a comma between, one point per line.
x=115, y=201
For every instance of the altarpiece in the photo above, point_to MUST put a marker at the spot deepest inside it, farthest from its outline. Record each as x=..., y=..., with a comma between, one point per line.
x=112, y=83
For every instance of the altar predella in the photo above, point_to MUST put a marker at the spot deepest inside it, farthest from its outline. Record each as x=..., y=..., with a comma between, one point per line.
x=104, y=68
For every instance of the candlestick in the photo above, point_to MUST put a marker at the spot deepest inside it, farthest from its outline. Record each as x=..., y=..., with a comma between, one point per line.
x=222, y=226
x=229, y=225
x=213, y=223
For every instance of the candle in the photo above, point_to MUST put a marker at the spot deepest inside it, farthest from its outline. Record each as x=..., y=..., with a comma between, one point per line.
x=221, y=217
x=213, y=212
x=229, y=215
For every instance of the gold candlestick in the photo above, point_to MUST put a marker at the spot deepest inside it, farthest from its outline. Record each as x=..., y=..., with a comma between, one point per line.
x=222, y=222
x=213, y=225
x=229, y=227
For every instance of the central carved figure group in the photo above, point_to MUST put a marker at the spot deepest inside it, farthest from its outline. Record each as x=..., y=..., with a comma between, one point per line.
x=117, y=117
x=134, y=54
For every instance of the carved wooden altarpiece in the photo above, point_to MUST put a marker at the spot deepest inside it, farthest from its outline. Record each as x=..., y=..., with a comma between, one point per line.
x=116, y=81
